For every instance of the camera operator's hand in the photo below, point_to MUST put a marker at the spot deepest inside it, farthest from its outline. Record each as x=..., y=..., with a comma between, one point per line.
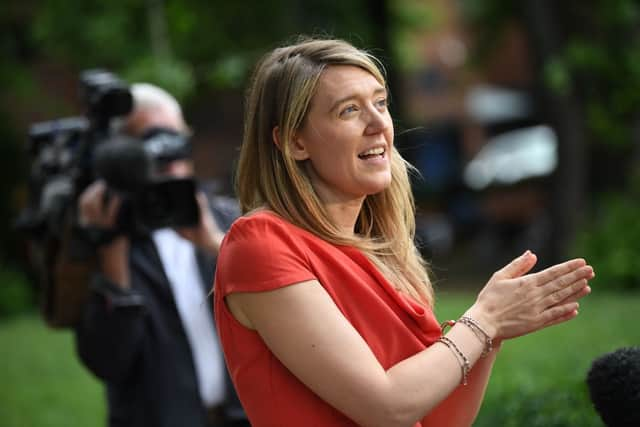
x=514, y=303
x=207, y=235
x=97, y=210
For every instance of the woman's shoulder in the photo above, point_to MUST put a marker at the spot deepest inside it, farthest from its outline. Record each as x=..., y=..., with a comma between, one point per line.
x=262, y=220
x=265, y=225
x=270, y=230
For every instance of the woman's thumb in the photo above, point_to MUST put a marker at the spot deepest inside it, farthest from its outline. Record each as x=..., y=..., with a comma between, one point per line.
x=519, y=266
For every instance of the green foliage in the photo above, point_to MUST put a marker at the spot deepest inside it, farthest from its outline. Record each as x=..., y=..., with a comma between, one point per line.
x=106, y=34
x=230, y=72
x=557, y=76
x=490, y=17
x=601, y=57
x=409, y=18
x=175, y=76
x=184, y=44
x=611, y=242
x=605, y=69
x=16, y=295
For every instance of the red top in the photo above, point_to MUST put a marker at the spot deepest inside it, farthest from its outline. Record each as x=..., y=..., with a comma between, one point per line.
x=264, y=252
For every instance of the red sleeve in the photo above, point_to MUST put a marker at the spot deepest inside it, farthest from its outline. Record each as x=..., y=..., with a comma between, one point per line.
x=260, y=253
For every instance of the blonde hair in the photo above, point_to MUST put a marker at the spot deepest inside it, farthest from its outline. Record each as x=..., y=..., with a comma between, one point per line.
x=279, y=95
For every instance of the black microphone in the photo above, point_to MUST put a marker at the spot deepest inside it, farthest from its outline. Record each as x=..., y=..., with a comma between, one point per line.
x=614, y=387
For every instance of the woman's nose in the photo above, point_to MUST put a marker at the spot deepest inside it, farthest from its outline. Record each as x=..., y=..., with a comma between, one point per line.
x=377, y=120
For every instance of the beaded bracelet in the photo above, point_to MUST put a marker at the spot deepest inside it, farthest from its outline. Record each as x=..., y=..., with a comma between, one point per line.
x=465, y=366
x=479, y=332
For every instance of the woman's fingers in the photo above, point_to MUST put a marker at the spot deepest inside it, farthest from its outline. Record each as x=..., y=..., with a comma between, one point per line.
x=583, y=290
x=550, y=274
x=554, y=313
x=570, y=311
x=556, y=298
x=560, y=281
x=565, y=285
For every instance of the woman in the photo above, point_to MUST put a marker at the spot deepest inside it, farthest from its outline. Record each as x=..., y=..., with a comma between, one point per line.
x=323, y=304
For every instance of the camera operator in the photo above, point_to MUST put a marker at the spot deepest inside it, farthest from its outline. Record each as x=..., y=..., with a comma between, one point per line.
x=147, y=330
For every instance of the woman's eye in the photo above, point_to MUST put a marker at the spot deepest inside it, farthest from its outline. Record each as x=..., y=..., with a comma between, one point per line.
x=349, y=109
x=382, y=103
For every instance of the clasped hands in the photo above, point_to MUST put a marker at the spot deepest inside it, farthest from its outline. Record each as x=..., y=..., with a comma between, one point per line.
x=514, y=303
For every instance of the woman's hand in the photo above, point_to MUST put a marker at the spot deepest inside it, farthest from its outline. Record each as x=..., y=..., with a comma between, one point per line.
x=514, y=303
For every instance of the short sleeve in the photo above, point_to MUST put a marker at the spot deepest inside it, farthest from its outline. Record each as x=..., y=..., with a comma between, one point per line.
x=260, y=253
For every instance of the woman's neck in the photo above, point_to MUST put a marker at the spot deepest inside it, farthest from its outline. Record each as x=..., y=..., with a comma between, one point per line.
x=344, y=215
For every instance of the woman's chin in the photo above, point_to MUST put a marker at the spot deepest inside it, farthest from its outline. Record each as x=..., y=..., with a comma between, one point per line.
x=378, y=187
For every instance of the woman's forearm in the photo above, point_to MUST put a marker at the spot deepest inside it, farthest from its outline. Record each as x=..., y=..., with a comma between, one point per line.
x=461, y=408
x=440, y=378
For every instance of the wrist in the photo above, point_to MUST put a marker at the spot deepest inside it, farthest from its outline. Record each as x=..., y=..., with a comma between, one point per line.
x=485, y=321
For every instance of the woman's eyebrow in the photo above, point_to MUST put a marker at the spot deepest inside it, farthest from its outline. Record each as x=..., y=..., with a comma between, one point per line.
x=349, y=97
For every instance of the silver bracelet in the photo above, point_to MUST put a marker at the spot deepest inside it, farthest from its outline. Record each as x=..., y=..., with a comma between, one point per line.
x=465, y=366
x=478, y=331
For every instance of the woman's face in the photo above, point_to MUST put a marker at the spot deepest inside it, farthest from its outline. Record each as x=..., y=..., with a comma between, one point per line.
x=347, y=136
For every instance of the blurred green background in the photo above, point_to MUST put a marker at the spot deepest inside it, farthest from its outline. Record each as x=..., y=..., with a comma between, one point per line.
x=470, y=82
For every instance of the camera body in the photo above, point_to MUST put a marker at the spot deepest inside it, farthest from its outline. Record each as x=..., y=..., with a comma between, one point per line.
x=135, y=170
x=68, y=154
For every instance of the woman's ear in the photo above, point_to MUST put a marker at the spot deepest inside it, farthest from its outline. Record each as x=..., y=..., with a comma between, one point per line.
x=298, y=148
x=296, y=145
x=275, y=136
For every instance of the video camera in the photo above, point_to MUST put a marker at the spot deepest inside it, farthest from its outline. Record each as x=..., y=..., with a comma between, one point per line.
x=68, y=154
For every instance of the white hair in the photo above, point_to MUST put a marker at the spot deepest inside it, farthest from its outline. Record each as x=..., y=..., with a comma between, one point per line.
x=148, y=97
x=156, y=104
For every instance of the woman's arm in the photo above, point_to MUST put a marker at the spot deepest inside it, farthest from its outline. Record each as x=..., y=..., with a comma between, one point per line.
x=310, y=336
x=461, y=407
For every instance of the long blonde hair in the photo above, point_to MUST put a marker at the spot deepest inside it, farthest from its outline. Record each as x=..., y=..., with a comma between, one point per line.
x=279, y=95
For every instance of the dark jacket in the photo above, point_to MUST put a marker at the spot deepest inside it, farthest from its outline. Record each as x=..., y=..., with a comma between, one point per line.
x=135, y=342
